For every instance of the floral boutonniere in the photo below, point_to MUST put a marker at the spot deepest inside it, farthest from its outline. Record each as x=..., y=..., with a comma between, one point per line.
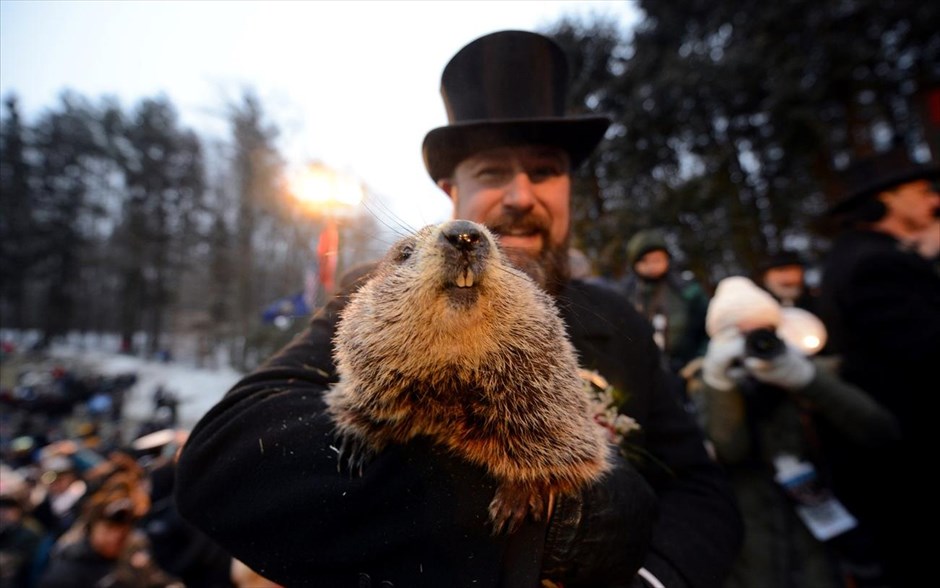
x=605, y=400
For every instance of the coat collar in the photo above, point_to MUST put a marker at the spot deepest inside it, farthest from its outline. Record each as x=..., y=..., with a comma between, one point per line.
x=586, y=310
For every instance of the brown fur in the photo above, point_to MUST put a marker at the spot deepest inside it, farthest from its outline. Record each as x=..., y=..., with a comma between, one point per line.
x=486, y=371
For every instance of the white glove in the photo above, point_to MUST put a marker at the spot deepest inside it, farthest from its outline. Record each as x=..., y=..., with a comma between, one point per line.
x=791, y=370
x=719, y=369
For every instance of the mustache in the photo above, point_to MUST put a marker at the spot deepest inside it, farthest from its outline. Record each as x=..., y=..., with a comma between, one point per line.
x=506, y=224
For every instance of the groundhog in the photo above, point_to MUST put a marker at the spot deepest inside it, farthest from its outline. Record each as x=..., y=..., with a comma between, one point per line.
x=446, y=339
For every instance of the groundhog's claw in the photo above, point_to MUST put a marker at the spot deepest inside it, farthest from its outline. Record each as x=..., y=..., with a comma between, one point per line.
x=356, y=454
x=511, y=504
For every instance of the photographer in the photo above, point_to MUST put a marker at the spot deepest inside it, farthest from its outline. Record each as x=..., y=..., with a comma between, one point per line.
x=758, y=397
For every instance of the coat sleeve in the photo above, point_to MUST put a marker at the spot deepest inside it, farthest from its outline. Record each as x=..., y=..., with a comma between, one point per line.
x=849, y=409
x=699, y=531
x=259, y=474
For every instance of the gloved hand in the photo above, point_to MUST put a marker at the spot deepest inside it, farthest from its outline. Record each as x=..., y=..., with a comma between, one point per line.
x=791, y=370
x=600, y=536
x=719, y=369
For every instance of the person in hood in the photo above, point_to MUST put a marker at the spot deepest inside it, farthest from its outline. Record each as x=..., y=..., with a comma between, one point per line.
x=674, y=304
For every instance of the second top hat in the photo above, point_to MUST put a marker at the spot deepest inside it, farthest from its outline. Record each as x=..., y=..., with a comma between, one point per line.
x=871, y=175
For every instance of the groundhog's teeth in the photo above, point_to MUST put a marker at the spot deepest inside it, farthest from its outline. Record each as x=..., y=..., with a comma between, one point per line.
x=465, y=280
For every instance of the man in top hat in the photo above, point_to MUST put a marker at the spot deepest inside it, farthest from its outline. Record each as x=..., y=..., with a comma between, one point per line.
x=880, y=300
x=258, y=475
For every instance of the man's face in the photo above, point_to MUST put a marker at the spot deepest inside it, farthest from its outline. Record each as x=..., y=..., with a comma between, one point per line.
x=522, y=194
x=785, y=282
x=108, y=538
x=912, y=205
x=652, y=265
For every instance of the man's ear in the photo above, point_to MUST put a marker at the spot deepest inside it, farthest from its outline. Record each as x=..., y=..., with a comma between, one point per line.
x=449, y=188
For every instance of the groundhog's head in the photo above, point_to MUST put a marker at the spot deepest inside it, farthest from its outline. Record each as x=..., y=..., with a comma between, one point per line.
x=448, y=287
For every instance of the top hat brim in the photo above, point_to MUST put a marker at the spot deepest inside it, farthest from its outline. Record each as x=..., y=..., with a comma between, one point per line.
x=864, y=192
x=445, y=147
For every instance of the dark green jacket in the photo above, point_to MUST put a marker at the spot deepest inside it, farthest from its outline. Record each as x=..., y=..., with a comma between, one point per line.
x=748, y=427
x=684, y=304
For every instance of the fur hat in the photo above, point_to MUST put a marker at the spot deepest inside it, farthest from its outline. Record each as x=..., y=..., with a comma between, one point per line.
x=738, y=301
x=740, y=305
x=869, y=176
x=507, y=88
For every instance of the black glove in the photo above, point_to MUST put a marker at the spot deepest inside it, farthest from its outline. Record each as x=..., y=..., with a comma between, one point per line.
x=600, y=537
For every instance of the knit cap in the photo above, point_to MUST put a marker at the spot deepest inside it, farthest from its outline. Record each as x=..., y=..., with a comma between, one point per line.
x=644, y=242
x=740, y=305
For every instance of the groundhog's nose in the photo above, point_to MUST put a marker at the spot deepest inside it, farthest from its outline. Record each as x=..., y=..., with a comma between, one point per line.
x=463, y=235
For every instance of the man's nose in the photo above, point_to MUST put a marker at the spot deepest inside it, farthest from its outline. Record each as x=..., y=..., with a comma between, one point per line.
x=519, y=192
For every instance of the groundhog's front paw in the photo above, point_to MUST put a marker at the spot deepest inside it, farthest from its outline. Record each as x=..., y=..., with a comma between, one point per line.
x=353, y=452
x=512, y=503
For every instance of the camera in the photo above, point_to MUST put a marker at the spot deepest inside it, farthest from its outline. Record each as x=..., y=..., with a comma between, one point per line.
x=763, y=344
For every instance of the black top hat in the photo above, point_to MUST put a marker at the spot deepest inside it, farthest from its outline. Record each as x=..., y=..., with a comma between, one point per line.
x=872, y=175
x=503, y=89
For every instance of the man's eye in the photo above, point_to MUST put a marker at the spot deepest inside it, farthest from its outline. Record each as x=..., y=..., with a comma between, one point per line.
x=544, y=172
x=492, y=174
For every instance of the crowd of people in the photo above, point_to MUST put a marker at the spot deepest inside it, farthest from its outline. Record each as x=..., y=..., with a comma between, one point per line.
x=836, y=398
x=81, y=508
x=778, y=442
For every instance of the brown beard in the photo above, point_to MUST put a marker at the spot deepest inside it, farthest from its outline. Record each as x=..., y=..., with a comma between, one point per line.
x=549, y=268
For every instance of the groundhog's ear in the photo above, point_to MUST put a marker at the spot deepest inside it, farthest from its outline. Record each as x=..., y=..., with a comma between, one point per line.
x=448, y=187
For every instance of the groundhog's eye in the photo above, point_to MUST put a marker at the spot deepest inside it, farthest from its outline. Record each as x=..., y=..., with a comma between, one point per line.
x=405, y=252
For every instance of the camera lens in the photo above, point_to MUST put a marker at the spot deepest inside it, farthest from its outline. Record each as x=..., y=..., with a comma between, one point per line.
x=763, y=344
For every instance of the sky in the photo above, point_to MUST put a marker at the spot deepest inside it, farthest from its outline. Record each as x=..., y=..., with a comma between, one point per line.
x=354, y=85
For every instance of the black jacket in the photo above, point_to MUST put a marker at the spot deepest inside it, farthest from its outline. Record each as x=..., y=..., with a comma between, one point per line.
x=78, y=565
x=259, y=474
x=881, y=304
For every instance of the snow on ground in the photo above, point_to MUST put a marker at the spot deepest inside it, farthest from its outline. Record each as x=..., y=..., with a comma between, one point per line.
x=198, y=389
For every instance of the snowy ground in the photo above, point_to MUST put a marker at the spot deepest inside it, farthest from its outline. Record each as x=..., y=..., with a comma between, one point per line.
x=197, y=389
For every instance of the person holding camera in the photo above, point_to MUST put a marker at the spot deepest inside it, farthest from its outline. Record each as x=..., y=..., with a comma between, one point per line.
x=758, y=397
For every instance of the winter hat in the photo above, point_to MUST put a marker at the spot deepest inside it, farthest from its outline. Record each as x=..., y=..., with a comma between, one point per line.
x=739, y=304
x=644, y=242
x=784, y=258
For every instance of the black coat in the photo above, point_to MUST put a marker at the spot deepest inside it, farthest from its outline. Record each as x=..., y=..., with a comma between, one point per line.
x=259, y=474
x=178, y=547
x=881, y=304
x=76, y=565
